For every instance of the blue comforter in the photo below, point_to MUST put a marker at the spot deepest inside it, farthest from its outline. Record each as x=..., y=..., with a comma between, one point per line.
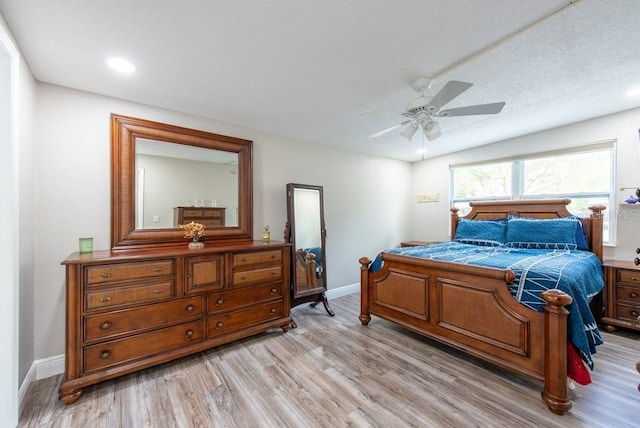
x=577, y=273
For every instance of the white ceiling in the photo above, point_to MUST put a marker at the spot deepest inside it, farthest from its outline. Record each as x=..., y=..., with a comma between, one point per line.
x=308, y=69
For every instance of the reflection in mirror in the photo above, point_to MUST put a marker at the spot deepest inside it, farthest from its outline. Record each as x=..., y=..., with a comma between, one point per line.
x=173, y=178
x=305, y=230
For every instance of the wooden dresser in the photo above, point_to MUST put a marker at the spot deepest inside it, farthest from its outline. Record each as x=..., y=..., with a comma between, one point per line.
x=209, y=216
x=622, y=295
x=132, y=309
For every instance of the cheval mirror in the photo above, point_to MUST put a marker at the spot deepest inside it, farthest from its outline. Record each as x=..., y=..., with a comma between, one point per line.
x=305, y=230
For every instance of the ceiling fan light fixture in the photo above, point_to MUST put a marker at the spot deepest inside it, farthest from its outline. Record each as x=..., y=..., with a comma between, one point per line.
x=434, y=136
x=410, y=131
x=431, y=128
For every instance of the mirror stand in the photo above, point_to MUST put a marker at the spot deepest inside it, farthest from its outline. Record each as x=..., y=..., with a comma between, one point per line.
x=305, y=230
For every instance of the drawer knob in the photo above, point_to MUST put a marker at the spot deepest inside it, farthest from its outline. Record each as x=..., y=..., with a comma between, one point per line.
x=634, y=295
x=638, y=320
x=244, y=259
x=189, y=334
x=274, y=273
x=273, y=256
x=157, y=291
x=635, y=278
x=190, y=308
x=273, y=311
x=273, y=290
x=634, y=313
x=157, y=269
x=219, y=302
x=244, y=278
x=105, y=354
x=105, y=325
x=219, y=324
x=105, y=299
x=105, y=275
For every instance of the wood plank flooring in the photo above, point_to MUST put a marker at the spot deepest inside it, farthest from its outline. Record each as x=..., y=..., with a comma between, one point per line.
x=334, y=372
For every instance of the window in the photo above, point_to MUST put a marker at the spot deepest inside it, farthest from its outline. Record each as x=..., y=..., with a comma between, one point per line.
x=585, y=175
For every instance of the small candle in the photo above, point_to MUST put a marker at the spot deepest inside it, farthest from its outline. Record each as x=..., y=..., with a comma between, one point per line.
x=86, y=245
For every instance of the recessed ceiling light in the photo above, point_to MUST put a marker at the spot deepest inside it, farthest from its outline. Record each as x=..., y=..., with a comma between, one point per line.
x=121, y=65
x=634, y=92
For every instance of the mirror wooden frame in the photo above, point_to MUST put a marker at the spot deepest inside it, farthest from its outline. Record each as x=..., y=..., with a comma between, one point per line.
x=317, y=294
x=124, y=131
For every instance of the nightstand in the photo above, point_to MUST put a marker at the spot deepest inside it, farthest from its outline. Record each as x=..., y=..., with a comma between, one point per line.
x=621, y=295
x=418, y=243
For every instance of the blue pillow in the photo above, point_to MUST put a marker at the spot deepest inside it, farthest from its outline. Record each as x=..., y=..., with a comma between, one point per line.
x=544, y=234
x=490, y=233
x=581, y=237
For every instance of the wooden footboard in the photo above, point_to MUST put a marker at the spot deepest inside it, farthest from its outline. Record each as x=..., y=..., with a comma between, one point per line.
x=470, y=308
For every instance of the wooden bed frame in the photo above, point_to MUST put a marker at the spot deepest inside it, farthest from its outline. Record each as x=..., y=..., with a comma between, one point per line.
x=471, y=309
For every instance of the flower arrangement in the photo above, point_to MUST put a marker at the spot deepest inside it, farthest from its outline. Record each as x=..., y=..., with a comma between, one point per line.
x=193, y=230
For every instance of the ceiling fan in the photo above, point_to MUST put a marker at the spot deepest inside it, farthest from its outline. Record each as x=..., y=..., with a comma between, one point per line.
x=421, y=111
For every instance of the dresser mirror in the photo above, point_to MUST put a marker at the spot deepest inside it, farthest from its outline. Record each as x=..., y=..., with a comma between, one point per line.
x=160, y=170
x=305, y=230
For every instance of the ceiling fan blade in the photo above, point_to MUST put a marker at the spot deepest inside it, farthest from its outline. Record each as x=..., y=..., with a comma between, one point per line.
x=389, y=129
x=452, y=89
x=493, y=108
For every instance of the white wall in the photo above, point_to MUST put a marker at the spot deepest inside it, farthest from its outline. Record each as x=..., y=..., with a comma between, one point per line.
x=431, y=221
x=16, y=223
x=27, y=120
x=365, y=197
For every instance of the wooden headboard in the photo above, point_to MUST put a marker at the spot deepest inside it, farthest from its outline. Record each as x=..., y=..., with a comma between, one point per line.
x=538, y=208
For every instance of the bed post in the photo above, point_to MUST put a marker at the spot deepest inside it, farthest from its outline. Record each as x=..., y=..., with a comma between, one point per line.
x=596, y=229
x=454, y=221
x=365, y=316
x=555, y=393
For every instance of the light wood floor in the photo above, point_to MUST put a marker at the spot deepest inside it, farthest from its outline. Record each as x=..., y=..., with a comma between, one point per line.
x=334, y=372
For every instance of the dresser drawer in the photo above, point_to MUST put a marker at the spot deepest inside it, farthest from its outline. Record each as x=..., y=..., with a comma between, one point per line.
x=108, y=297
x=212, y=214
x=115, y=323
x=191, y=212
x=103, y=355
x=127, y=271
x=628, y=313
x=225, y=323
x=256, y=276
x=258, y=257
x=628, y=293
x=628, y=276
x=211, y=222
x=232, y=299
x=204, y=273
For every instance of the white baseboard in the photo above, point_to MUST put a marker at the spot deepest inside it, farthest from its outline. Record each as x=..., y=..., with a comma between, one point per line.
x=343, y=291
x=51, y=366
x=22, y=392
x=40, y=369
